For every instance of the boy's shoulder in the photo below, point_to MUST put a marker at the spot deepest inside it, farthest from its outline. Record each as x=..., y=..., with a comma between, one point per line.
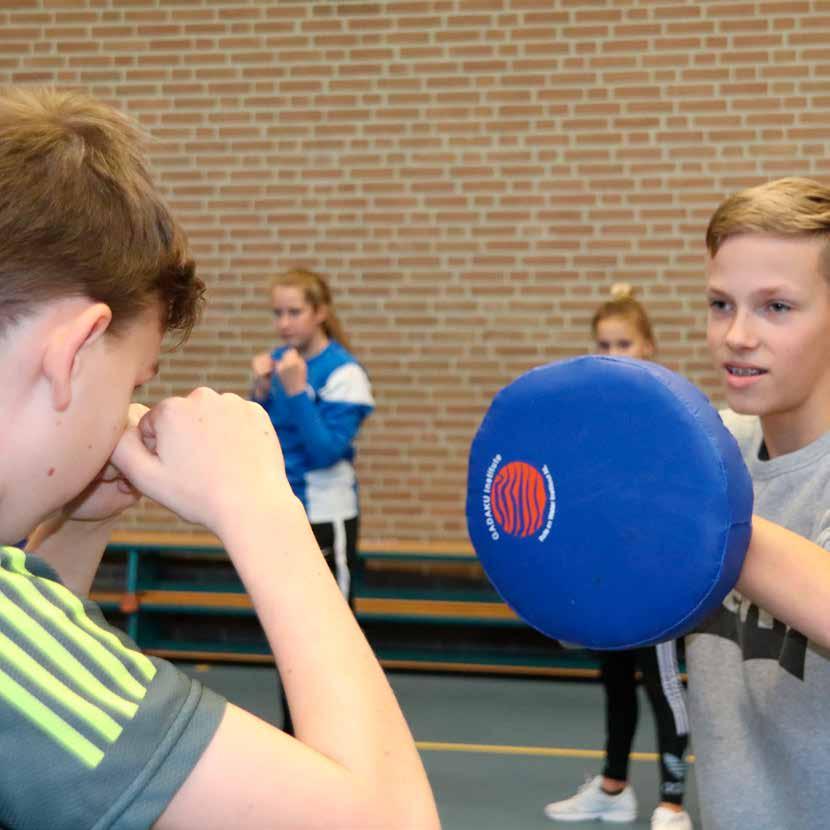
x=808, y=466
x=87, y=712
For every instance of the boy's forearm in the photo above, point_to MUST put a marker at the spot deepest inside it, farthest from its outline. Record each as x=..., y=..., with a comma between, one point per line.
x=72, y=547
x=788, y=576
x=341, y=703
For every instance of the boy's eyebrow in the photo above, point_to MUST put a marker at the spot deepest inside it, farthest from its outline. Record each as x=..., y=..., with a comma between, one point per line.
x=713, y=289
x=773, y=291
x=760, y=293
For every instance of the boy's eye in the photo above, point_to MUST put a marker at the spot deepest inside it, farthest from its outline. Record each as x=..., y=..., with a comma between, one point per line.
x=779, y=307
x=716, y=304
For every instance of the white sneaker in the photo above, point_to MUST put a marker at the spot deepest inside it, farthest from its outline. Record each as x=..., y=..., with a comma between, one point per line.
x=664, y=819
x=590, y=802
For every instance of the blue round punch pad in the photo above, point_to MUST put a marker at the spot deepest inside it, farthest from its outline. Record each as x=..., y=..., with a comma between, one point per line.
x=607, y=502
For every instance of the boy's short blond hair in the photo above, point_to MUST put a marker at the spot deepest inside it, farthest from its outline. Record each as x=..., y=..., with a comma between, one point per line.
x=790, y=207
x=80, y=215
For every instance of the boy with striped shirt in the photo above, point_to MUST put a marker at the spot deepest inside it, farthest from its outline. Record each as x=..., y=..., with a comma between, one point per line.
x=93, y=272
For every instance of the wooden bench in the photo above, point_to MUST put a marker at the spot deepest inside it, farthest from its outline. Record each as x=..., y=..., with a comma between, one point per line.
x=422, y=605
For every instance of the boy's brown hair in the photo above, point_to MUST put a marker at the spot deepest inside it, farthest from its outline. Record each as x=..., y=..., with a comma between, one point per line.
x=80, y=215
x=788, y=207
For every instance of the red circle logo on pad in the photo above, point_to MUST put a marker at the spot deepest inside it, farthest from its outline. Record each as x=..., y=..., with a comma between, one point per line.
x=519, y=499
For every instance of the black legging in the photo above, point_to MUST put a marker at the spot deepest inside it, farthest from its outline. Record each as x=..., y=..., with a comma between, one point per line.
x=658, y=665
x=338, y=542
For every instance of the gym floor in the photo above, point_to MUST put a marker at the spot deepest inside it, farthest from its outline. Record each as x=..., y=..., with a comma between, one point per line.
x=496, y=749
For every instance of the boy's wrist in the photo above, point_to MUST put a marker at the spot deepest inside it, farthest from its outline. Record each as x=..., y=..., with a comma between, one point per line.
x=263, y=515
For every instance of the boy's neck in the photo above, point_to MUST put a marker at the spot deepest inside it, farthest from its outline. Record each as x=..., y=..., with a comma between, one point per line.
x=785, y=433
x=73, y=549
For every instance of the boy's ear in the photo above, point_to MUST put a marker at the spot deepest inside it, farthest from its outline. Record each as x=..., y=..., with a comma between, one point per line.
x=66, y=342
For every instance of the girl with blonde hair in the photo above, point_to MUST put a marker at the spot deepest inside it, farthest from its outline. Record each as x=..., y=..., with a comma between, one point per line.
x=621, y=328
x=317, y=396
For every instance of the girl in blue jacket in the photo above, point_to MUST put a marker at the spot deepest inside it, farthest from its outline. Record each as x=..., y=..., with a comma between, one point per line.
x=317, y=395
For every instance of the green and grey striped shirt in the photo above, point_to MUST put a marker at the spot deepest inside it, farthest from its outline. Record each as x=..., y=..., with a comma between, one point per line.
x=94, y=733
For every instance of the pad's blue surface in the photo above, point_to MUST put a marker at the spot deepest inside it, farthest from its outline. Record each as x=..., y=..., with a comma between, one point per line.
x=607, y=502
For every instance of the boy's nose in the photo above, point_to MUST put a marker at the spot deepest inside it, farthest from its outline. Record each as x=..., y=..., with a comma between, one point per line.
x=741, y=333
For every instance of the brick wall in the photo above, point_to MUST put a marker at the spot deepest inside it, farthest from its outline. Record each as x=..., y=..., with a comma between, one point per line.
x=471, y=175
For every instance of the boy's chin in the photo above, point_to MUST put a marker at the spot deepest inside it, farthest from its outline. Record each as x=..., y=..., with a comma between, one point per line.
x=743, y=404
x=744, y=408
x=13, y=538
x=14, y=534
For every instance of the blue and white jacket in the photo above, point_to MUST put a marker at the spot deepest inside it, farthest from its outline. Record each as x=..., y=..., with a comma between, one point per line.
x=317, y=429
